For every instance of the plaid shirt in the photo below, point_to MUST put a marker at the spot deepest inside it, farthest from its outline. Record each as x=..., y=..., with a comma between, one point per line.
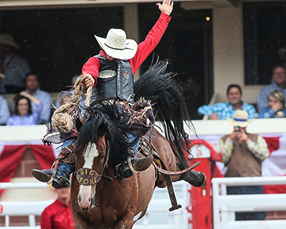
x=224, y=110
x=262, y=100
x=259, y=148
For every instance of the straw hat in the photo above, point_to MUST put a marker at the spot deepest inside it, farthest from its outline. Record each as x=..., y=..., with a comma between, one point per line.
x=116, y=45
x=7, y=39
x=240, y=118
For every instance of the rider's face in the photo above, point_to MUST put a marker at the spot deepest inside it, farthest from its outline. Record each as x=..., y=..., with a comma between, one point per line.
x=109, y=57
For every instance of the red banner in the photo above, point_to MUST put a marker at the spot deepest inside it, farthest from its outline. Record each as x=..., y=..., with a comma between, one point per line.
x=11, y=155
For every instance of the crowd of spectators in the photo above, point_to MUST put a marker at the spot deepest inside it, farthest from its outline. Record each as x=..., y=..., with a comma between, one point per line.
x=16, y=77
x=270, y=101
x=31, y=105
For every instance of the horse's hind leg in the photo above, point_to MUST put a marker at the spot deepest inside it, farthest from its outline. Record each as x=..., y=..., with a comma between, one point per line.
x=197, y=179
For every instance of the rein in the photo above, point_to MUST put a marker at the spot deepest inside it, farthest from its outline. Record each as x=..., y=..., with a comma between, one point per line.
x=164, y=171
x=88, y=177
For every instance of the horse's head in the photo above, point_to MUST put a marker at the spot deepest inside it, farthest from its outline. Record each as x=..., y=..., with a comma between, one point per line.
x=91, y=162
x=100, y=144
x=92, y=155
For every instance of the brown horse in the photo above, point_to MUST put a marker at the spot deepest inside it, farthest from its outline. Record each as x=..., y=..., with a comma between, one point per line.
x=99, y=198
x=102, y=200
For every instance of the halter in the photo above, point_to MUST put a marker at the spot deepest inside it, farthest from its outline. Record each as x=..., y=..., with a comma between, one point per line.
x=88, y=177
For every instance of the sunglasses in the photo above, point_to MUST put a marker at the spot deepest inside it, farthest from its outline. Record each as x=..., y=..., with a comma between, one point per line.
x=239, y=120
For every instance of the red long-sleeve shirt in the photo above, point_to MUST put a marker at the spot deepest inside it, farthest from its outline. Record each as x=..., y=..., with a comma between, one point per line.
x=143, y=50
x=57, y=216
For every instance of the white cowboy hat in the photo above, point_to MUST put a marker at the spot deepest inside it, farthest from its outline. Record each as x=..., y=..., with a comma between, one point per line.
x=240, y=118
x=7, y=39
x=116, y=45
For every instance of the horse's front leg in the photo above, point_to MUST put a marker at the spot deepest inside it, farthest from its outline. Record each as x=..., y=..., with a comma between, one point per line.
x=126, y=221
x=79, y=222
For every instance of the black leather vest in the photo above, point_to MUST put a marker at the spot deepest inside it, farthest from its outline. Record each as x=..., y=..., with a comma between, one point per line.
x=115, y=80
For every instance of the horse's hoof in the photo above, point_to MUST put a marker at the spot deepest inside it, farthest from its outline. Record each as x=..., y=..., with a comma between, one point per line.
x=42, y=175
x=142, y=164
x=204, y=183
x=196, y=179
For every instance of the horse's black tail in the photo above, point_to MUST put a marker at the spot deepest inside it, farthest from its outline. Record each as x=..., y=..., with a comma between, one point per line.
x=159, y=86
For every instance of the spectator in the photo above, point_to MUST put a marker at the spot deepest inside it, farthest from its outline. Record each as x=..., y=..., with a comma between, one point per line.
x=23, y=114
x=58, y=215
x=12, y=67
x=32, y=87
x=243, y=154
x=276, y=106
x=223, y=110
x=278, y=83
x=4, y=111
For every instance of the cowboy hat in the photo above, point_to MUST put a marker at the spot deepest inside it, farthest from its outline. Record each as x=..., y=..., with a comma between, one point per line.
x=7, y=39
x=116, y=45
x=240, y=118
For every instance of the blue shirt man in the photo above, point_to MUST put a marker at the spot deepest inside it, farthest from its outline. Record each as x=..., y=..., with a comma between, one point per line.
x=32, y=87
x=220, y=111
x=278, y=83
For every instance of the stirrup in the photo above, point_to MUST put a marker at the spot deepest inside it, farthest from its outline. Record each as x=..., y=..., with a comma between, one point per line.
x=130, y=167
x=123, y=170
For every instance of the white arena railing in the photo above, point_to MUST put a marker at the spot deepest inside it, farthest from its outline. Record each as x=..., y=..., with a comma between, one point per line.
x=225, y=206
x=23, y=208
x=158, y=215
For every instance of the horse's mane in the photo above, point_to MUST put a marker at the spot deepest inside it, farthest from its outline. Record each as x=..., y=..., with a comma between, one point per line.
x=106, y=119
x=159, y=86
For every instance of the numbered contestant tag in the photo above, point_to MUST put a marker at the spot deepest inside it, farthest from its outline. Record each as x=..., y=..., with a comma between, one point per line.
x=86, y=176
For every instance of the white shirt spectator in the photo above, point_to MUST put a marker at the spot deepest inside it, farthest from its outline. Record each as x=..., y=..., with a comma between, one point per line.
x=32, y=88
x=4, y=111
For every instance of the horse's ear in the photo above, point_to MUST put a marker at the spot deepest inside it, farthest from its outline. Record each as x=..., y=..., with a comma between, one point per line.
x=78, y=124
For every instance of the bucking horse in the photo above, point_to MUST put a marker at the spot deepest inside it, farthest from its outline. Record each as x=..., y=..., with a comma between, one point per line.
x=99, y=198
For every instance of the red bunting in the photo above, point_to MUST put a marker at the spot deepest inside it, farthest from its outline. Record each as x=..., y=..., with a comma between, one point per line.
x=11, y=156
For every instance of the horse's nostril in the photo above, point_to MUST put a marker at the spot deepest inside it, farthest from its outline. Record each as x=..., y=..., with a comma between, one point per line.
x=79, y=198
x=85, y=209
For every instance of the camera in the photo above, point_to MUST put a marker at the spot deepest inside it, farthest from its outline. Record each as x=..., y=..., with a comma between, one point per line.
x=237, y=129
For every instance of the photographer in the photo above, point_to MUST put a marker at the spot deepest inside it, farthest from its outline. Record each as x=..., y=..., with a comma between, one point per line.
x=243, y=153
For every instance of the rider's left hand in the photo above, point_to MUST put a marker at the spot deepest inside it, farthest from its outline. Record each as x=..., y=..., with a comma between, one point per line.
x=88, y=81
x=166, y=7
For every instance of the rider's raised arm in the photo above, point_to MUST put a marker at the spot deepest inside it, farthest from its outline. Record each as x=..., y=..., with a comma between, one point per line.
x=154, y=36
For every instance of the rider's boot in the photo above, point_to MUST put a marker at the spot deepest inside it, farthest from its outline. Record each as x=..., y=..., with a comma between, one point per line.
x=197, y=179
x=139, y=164
x=64, y=166
x=61, y=178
